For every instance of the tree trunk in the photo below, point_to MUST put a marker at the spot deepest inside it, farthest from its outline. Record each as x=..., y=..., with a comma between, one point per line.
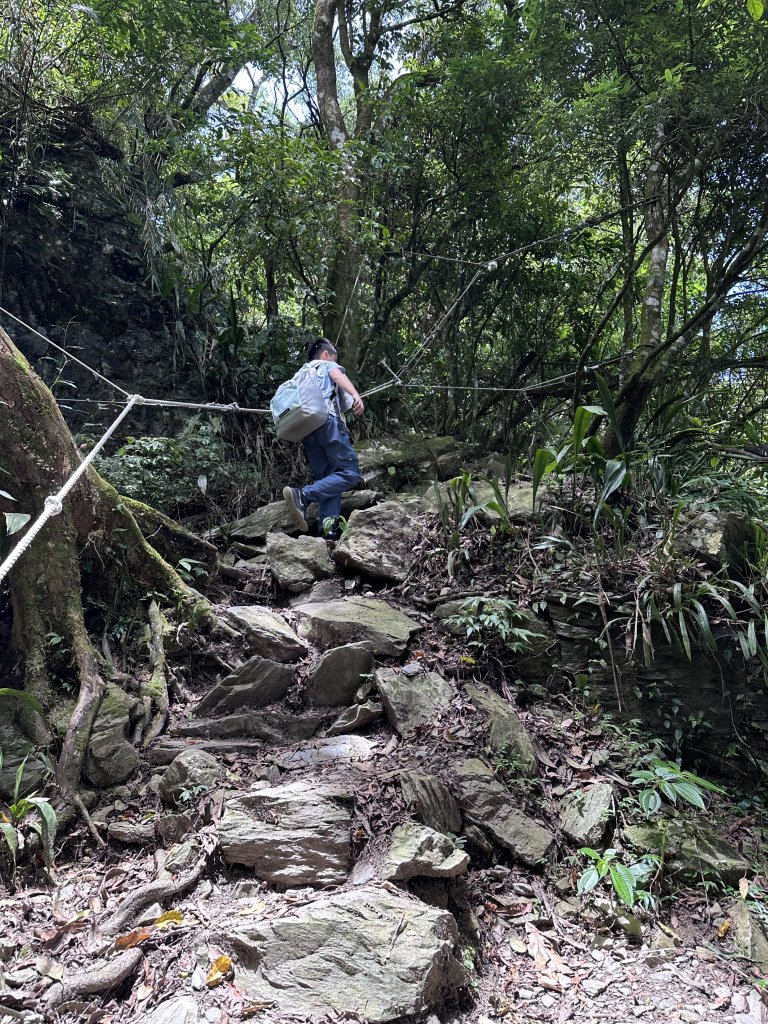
x=642, y=377
x=49, y=633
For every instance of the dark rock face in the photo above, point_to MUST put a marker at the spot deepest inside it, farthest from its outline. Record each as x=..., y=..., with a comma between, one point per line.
x=74, y=268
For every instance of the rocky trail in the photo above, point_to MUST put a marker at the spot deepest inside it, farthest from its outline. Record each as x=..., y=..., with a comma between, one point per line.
x=350, y=823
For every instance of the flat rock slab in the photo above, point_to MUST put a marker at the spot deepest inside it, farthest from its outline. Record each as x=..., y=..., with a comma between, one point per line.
x=334, y=623
x=412, y=700
x=586, y=814
x=166, y=749
x=419, y=850
x=336, y=678
x=341, y=748
x=291, y=835
x=273, y=727
x=432, y=801
x=256, y=684
x=182, y=1010
x=507, y=734
x=298, y=562
x=380, y=542
x=268, y=634
x=487, y=803
x=367, y=954
x=274, y=518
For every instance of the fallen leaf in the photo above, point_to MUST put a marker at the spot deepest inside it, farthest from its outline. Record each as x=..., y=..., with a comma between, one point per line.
x=169, y=917
x=743, y=887
x=132, y=938
x=724, y=928
x=517, y=944
x=251, y=1009
x=220, y=968
x=144, y=992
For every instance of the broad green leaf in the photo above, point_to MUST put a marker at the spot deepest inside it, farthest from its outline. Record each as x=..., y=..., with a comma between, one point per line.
x=610, y=409
x=24, y=697
x=703, y=621
x=49, y=824
x=689, y=792
x=623, y=882
x=543, y=463
x=5, y=494
x=684, y=636
x=588, y=880
x=10, y=837
x=650, y=801
x=615, y=471
x=756, y=9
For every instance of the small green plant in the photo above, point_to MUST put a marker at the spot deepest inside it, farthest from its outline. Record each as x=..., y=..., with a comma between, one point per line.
x=624, y=878
x=665, y=779
x=25, y=816
x=486, y=619
x=190, y=569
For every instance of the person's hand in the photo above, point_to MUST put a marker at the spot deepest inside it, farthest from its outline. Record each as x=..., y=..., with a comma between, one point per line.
x=358, y=408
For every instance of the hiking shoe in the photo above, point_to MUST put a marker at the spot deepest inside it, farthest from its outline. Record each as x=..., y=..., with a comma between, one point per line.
x=297, y=507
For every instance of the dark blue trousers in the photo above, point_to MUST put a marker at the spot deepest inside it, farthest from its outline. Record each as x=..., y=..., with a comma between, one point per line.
x=334, y=466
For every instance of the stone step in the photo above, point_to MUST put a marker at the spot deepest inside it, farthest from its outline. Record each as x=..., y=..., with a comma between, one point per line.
x=167, y=749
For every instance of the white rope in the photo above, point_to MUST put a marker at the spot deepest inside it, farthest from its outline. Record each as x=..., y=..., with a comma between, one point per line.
x=205, y=406
x=53, y=503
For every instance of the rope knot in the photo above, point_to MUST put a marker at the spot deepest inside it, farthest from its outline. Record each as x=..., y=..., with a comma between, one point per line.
x=53, y=505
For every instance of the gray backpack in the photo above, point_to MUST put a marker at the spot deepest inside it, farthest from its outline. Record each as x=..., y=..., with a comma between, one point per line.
x=299, y=406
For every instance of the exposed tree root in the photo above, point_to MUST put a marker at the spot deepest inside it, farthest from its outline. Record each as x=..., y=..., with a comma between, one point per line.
x=172, y=540
x=156, y=688
x=97, y=979
x=154, y=892
x=78, y=802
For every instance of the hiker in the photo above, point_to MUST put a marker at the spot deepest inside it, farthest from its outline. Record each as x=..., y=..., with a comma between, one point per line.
x=329, y=450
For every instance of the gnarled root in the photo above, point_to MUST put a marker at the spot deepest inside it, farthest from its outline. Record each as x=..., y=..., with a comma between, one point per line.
x=98, y=979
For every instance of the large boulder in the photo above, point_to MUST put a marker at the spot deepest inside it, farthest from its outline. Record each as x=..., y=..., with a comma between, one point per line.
x=111, y=758
x=380, y=542
x=412, y=700
x=586, y=814
x=16, y=749
x=338, y=674
x=274, y=517
x=432, y=801
x=365, y=953
x=717, y=538
x=298, y=562
x=267, y=633
x=292, y=834
x=255, y=684
x=419, y=850
x=506, y=734
x=488, y=804
x=191, y=773
x=392, y=462
x=334, y=623
x=691, y=847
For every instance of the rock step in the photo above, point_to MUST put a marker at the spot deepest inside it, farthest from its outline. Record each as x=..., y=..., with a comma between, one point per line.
x=274, y=727
x=167, y=749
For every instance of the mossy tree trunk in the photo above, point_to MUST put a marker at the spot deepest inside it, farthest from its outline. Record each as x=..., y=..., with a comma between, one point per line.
x=49, y=634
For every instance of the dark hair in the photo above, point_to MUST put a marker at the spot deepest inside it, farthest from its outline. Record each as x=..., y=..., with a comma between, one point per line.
x=317, y=346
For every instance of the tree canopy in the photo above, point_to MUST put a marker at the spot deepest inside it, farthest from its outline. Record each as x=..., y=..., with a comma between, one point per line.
x=506, y=194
